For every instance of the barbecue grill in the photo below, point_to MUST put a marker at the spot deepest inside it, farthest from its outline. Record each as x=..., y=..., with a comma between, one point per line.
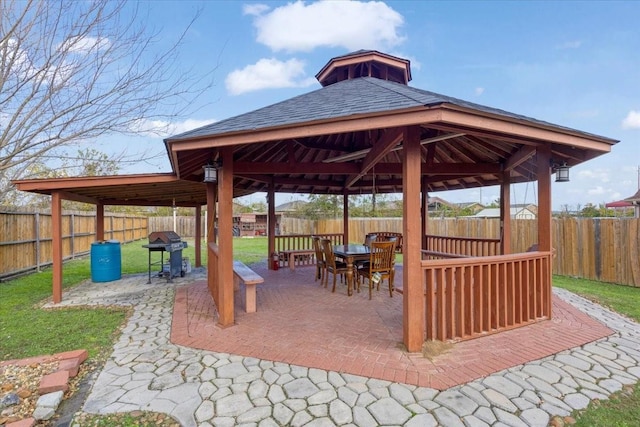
x=166, y=241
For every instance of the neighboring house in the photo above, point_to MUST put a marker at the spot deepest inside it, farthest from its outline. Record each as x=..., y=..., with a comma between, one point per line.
x=292, y=206
x=436, y=204
x=516, y=213
x=471, y=206
x=629, y=202
x=529, y=206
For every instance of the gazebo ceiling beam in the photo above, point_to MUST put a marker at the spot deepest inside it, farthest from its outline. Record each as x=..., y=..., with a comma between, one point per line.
x=309, y=182
x=249, y=168
x=78, y=198
x=388, y=142
x=363, y=153
x=569, y=153
x=519, y=157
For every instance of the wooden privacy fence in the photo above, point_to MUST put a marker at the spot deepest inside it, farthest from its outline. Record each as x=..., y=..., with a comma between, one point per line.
x=25, y=238
x=463, y=245
x=603, y=249
x=186, y=225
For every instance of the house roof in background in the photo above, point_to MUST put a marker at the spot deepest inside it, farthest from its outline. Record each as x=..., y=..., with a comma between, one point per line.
x=495, y=212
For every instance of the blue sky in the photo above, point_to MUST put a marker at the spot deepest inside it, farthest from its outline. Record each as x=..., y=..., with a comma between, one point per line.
x=576, y=64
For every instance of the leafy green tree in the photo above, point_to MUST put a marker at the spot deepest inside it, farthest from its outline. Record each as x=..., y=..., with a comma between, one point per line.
x=321, y=206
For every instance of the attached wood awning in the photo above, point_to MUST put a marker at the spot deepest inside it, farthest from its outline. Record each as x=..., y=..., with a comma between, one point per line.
x=133, y=190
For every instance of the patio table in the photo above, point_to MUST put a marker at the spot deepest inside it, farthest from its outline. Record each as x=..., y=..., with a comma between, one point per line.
x=350, y=254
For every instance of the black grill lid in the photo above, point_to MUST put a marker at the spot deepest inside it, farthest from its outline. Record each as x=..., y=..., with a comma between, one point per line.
x=164, y=237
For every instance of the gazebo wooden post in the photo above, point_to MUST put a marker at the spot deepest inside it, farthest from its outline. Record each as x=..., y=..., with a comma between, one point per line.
x=225, y=239
x=505, y=213
x=271, y=223
x=99, y=222
x=212, y=283
x=56, y=248
x=413, y=320
x=544, y=215
x=198, y=232
x=425, y=212
x=345, y=216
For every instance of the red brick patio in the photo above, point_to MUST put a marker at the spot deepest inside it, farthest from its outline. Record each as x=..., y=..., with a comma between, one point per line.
x=301, y=323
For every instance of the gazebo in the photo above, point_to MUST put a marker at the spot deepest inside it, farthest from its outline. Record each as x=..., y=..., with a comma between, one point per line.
x=367, y=131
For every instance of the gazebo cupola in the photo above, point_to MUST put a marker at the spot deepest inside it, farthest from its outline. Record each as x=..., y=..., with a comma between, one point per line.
x=365, y=63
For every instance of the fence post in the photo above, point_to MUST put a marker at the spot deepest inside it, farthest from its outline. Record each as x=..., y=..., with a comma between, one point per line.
x=37, y=225
x=73, y=235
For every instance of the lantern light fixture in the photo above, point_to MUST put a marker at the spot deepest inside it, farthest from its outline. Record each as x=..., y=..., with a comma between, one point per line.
x=211, y=172
x=561, y=171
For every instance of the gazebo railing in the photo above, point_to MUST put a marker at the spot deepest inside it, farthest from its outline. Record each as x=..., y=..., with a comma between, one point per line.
x=301, y=242
x=469, y=246
x=470, y=297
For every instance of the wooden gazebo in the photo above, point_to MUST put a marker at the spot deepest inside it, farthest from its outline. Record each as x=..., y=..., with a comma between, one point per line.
x=366, y=130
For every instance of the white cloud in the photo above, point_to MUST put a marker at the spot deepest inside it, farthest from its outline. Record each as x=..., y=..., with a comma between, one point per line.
x=572, y=44
x=598, y=175
x=479, y=91
x=350, y=24
x=163, y=129
x=597, y=191
x=267, y=74
x=84, y=45
x=632, y=121
x=254, y=9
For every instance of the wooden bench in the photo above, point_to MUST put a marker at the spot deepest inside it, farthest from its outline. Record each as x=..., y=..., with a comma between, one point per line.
x=242, y=273
x=300, y=253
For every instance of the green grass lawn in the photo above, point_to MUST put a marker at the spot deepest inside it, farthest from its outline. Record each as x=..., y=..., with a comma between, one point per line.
x=27, y=330
x=623, y=408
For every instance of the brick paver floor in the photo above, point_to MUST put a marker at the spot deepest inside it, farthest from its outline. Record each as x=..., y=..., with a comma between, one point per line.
x=302, y=323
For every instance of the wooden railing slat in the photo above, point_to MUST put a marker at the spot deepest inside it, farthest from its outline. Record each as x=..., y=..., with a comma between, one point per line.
x=468, y=297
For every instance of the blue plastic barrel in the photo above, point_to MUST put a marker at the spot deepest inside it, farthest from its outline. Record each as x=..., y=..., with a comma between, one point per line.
x=106, y=261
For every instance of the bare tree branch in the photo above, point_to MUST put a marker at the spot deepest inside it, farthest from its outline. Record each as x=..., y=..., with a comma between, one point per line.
x=71, y=72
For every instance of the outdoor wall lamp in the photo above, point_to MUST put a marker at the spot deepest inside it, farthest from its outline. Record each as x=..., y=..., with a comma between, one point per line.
x=562, y=172
x=211, y=172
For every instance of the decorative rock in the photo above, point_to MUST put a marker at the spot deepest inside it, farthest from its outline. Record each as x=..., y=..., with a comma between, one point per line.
x=23, y=393
x=9, y=400
x=42, y=413
x=50, y=400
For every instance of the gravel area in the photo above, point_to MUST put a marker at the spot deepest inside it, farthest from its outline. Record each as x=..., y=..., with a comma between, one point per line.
x=23, y=381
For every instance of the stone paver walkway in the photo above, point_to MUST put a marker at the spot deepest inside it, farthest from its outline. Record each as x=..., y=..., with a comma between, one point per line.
x=204, y=388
